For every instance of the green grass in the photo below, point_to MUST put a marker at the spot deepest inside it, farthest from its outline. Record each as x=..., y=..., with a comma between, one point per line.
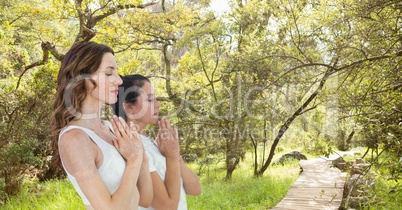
x=54, y=194
x=244, y=191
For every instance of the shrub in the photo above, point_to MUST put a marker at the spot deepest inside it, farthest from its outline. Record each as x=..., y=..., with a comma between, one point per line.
x=15, y=158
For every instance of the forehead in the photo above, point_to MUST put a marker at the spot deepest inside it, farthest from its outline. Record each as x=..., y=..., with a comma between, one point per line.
x=108, y=61
x=148, y=88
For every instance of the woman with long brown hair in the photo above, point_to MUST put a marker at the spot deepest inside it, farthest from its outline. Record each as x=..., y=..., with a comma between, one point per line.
x=103, y=160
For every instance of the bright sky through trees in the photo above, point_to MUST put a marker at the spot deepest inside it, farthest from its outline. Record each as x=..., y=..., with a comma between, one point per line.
x=219, y=6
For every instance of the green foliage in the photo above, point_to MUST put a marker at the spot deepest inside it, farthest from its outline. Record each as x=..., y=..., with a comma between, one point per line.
x=382, y=184
x=17, y=154
x=386, y=194
x=319, y=146
x=3, y=194
x=24, y=124
x=222, y=80
x=14, y=159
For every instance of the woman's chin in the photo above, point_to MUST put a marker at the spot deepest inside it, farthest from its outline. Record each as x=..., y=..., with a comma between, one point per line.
x=111, y=101
x=154, y=121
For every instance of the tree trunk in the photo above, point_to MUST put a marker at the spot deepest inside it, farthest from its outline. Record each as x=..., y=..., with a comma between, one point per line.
x=255, y=143
x=302, y=109
x=231, y=163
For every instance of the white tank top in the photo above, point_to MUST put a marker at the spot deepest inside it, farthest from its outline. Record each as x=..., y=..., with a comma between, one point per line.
x=113, y=165
x=157, y=162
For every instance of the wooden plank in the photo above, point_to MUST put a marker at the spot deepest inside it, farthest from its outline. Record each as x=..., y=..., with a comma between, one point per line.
x=319, y=186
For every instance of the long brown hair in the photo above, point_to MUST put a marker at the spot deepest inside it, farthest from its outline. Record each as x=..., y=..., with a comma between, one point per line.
x=82, y=60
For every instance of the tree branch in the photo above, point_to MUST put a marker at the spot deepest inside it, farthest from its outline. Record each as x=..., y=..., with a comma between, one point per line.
x=81, y=19
x=311, y=108
x=88, y=20
x=45, y=57
x=52, y=49
x=114, y=10
x=355, y=63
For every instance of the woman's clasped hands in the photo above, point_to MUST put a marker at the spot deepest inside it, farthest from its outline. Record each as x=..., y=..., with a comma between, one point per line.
x=126, y=140
x=167, y=140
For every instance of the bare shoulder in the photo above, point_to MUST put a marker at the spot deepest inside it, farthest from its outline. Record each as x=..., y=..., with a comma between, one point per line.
x=74, y=137
x=77, y=150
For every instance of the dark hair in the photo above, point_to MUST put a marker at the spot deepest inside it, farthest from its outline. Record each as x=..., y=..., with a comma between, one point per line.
x=82, y=60
x=129, y=91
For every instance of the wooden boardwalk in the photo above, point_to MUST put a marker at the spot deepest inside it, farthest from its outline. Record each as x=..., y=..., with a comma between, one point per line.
x=319, y=186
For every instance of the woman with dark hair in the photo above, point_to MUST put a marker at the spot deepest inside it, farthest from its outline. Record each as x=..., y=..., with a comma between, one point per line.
x=171, y=178
x=103, y=160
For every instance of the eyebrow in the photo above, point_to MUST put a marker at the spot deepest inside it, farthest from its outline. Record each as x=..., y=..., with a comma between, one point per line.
x=110, y=67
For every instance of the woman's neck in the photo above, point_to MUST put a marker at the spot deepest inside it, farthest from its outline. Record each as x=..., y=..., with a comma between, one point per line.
x=91, y=109
x=141, y=127
x=92, y=124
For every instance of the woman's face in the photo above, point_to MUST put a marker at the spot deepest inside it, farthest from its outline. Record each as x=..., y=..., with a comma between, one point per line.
x=146, y=108
x=107, y=80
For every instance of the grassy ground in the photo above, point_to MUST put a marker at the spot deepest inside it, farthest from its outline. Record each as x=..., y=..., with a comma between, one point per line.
x=245, y=191
x=242, y=192
x=55, y=194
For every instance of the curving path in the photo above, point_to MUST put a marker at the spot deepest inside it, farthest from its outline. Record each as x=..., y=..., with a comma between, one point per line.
x=319, y=186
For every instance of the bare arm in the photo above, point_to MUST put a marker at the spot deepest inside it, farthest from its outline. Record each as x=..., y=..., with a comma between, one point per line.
x=167, y=193
x=144, y=184
x=191, y=182
x=79, y=156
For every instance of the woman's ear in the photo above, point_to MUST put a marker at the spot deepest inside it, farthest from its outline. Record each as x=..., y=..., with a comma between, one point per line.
x=128, y=108
x=89, y=83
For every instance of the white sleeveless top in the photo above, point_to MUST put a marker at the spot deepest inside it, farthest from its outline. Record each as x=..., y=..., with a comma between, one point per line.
x=113, y=165
x=157, y=162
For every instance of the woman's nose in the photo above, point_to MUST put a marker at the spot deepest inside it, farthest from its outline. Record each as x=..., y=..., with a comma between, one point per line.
x=119, y=81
